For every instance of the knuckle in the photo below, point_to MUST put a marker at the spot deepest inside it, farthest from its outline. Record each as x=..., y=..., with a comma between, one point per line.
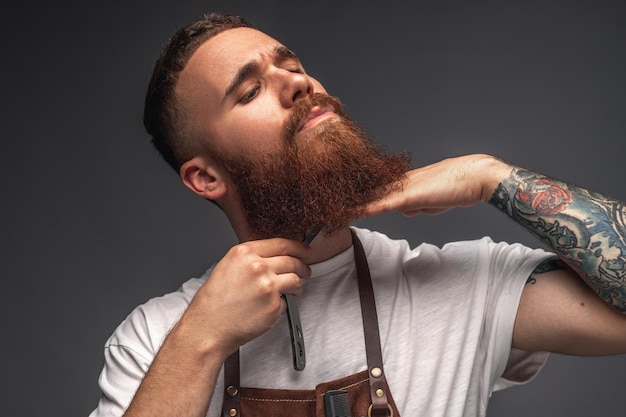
x=294, y=264
x=295, y=284
x=298, y=284
x=266, y=285
x=282, y=246
x=240, y=250
x=258, y=267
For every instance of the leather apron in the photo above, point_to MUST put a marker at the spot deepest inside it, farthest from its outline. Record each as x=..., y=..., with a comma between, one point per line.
x=368, y=391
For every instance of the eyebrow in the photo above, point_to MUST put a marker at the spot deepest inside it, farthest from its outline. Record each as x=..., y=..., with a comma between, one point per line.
x=285, y=53
x=251, y=67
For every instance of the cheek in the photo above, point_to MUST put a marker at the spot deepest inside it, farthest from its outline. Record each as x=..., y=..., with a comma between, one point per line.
x=257, y=127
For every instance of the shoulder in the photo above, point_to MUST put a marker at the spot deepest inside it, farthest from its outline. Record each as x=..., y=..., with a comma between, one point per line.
x=145, y=328
x=378, y=245
x=484, y=260
x=131, y=348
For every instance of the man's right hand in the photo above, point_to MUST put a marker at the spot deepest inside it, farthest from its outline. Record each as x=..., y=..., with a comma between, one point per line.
x=241, y=299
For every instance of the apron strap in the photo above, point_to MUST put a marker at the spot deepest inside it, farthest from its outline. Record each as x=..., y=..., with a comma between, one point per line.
x=373, y=351
x=232, y=393
x=377, y=382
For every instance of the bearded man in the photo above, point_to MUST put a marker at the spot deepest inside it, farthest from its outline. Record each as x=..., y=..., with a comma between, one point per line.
x=388, y=330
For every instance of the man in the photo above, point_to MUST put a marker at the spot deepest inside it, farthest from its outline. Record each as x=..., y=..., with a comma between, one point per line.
x=233, y=111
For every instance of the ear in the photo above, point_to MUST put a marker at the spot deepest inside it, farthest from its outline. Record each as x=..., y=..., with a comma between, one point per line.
x=203, y=178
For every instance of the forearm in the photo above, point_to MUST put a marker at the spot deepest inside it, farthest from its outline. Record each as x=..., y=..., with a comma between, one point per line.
x=181, y=379
x=586, y=229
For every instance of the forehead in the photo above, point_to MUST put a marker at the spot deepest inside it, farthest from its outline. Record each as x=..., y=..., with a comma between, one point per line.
x=218, y=59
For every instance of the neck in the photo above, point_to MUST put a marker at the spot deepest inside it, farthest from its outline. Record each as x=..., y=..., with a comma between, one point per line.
x=326, y=246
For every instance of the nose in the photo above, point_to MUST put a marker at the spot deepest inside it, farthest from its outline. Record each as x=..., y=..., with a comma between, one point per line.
x=295, y=87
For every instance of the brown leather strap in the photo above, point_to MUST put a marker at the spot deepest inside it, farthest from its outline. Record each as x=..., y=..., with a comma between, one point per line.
x=378, y=383
x=232, y=388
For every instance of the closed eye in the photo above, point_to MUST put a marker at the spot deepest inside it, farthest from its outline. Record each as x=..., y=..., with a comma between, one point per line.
x=249, y=95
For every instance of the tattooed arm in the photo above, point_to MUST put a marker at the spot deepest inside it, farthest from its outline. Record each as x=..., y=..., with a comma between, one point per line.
x=562, y=308
x=586, y=229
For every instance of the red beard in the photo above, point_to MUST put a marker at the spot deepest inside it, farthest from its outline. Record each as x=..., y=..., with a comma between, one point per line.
x=323, y=177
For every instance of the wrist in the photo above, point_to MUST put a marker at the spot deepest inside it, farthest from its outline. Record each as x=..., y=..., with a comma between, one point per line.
x=203, y=347
x=495, y=172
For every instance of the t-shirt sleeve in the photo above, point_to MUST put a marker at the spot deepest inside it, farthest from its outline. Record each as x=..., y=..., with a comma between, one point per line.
x=123, y=371
x=129, y=352
x=511, y=265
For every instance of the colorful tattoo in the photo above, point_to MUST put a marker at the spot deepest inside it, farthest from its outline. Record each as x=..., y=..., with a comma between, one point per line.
x=587, y=230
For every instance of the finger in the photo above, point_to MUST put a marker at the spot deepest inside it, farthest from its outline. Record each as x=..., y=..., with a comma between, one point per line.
x=431, y=211
x=267, y=248
x=373, y=209
x=384, y=205
x=289, y=283
x=288, y=264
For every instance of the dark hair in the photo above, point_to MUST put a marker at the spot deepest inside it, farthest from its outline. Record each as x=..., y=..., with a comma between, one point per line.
x=161, y=118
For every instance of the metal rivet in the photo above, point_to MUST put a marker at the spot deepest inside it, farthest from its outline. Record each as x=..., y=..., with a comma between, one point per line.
x=380, y=393
x=232, y=412
x=232, y=390
x=376, y=372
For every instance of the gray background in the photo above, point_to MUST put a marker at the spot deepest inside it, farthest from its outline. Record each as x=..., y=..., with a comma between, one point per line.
x=94, y=223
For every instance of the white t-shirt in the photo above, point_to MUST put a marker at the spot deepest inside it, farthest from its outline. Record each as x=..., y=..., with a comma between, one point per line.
x=446, y=319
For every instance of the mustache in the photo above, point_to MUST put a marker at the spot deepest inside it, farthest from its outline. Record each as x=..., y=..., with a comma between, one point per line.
x=303, y=107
